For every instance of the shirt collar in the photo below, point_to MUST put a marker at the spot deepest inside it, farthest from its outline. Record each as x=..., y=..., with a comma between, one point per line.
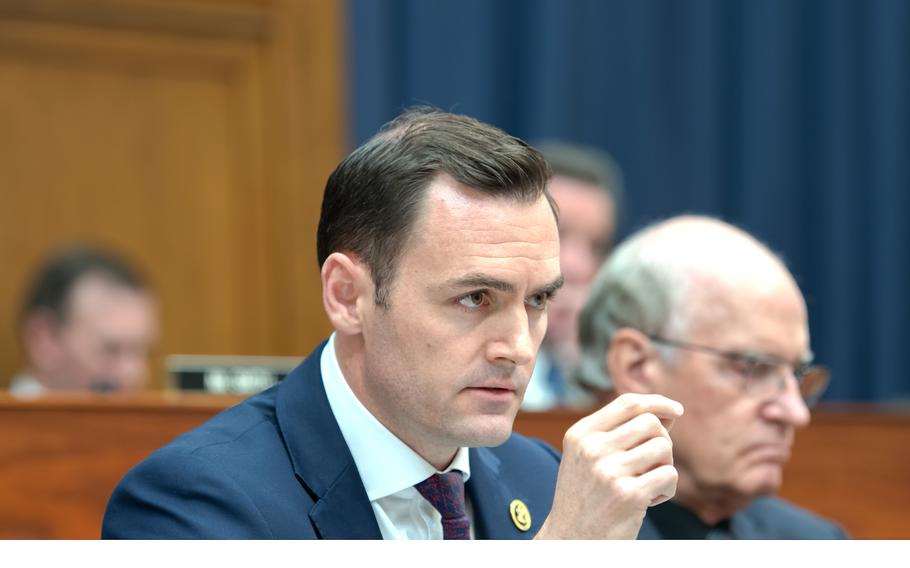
x=674, y=521
x=386, y=464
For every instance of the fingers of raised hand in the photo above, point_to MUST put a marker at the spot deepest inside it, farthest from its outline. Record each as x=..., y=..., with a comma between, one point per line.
x=641, y=459
x=637, y=431
x=595, y=444
x=623, y=461
x=650, y=488
x=659, y=483
x=627, y=406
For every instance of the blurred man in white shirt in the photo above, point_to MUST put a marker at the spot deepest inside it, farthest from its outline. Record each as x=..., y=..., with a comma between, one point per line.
x=88, y=323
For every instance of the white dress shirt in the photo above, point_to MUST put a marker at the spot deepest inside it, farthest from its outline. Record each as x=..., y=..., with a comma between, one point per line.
x=388, y=468
x=26, y=386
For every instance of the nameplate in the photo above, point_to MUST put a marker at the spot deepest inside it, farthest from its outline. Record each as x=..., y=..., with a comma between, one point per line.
x=227, y=374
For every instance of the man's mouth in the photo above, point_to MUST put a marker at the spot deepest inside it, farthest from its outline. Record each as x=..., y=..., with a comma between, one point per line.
x=494, y=391
x=778, y=452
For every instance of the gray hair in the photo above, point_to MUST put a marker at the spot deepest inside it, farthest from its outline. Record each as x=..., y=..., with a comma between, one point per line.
x=637, y=287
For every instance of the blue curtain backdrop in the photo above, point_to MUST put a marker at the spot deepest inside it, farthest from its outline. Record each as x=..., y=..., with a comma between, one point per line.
x=789, y=118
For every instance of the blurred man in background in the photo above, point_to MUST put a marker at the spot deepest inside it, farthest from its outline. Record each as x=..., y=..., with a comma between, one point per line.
x=699, y=311
x=587, y=187
x=88, y=323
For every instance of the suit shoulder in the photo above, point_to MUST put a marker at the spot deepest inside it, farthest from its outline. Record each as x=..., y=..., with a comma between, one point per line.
x=203, y=484
x=523, y=449
x=780, y=519
x=230, y=425
x=176, y=494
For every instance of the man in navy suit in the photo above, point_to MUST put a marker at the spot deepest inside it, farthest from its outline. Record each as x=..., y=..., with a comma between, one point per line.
x=439, y=252
x=699, y=311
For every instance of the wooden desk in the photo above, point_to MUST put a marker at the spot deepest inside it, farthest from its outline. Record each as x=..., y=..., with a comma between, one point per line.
x=60, y=458
x=851, y=465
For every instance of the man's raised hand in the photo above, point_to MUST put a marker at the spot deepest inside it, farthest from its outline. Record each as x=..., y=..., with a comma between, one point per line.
x=616, y=463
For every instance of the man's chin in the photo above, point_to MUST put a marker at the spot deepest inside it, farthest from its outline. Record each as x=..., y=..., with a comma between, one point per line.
x=486, y=432
x=764, y=479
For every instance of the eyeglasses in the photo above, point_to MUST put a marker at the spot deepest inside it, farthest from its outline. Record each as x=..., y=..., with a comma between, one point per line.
x=765, y=376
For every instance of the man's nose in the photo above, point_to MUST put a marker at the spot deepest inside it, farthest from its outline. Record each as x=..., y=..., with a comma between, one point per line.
x=129, y=370
x=789, y=407
x=513, y=343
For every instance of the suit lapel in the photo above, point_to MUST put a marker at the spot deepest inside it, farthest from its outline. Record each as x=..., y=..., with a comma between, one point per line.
x=490, y=500
x=321, y=458
x=344, y=510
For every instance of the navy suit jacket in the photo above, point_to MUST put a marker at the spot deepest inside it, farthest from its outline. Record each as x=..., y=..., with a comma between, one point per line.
x=765, y=518
x=277, y=466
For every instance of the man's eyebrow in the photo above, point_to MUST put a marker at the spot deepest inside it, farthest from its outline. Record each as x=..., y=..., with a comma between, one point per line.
x=479, y=280
x=805, y=359
x=552, y=287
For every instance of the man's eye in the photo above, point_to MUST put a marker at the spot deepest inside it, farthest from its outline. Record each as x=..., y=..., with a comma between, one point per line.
x=743, y=366
x=473, y=300
x=761, y=371
x=539, y=301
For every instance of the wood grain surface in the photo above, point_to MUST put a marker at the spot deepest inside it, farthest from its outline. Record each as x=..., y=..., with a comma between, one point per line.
x=193, y=137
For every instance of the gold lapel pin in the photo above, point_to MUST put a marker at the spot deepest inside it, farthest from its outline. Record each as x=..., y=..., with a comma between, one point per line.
x=521, y=516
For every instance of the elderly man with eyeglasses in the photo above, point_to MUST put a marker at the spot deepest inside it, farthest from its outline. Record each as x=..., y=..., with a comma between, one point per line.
x=699, y=311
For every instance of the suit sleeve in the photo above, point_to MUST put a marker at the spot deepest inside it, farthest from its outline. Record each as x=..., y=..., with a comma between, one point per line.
x=176, y=495
x=838, y=532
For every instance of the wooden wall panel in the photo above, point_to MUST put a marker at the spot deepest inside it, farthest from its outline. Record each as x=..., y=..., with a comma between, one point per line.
x=193, y=136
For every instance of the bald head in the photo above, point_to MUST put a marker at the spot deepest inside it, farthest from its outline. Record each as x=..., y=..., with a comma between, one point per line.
x=716, y=263
x=710, y=247
x=679, y=275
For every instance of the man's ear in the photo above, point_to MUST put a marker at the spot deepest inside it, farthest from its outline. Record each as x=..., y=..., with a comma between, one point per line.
x=347, y=288
x=39, y=338
x=632, y=362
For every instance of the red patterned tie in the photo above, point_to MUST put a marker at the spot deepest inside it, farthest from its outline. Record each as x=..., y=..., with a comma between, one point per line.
x=445, y=491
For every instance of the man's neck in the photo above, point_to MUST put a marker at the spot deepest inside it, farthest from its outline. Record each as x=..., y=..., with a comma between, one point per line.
x=438, y=458
x=710, y=504
x=350, y=352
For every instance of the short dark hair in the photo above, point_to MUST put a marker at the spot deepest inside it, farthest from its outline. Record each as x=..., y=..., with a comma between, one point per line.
x=372, y=198
x=585, y=163
x=52, y=284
